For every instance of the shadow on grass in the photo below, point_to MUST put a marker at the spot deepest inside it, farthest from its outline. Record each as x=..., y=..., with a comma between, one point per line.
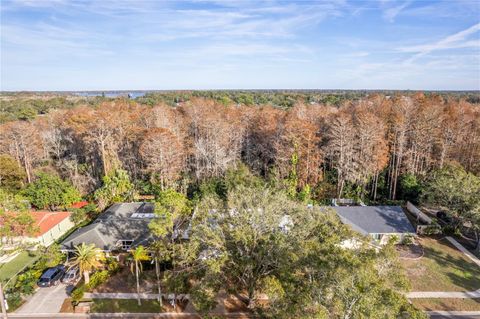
x=461, y=272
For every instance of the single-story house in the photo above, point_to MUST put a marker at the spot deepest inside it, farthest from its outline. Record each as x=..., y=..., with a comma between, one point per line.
x=52, y=225
x=379, y=222
x=49, y=226
x=120, y=227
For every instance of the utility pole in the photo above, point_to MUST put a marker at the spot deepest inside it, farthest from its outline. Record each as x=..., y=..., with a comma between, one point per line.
x=2, y=301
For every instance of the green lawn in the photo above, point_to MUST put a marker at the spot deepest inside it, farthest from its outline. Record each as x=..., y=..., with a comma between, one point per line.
x=442, y=268
x=447, y=304
x=9, y=269
x=125, y=305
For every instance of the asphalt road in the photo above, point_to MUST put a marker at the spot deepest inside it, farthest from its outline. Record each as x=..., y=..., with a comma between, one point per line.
x=45, y=300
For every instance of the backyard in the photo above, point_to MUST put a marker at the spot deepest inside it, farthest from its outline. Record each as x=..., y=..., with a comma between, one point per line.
x=442, y=268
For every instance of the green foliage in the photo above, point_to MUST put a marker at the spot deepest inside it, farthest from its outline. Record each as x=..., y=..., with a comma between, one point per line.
x=27, y=281
x=77, y=294
x=12, y=175
x=88, y=258
x=116, y=188
x=305, y=195
x=50, y=192
x=97, y=279
x=14, y=300
x=258, y=240
x=17, y=223
x=87, y=212
x=50, y=256
x=409, y=188
x=458, y=192
x=13, y=202
x=112, y=265
x=408, y=239
x=203, y=299
x=291, y=182
x=170, y=207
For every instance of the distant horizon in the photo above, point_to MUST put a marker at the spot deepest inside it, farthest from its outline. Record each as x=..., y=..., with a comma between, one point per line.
x=250, y=90
x=71, y=45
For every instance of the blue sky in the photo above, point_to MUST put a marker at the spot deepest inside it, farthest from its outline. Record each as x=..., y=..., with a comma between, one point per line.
x=100, y=45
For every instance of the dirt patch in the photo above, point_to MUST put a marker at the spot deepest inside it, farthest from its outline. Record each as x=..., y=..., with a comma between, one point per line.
x=414, y=251
x=67, y=306
x=233, y=304
x=124, y=281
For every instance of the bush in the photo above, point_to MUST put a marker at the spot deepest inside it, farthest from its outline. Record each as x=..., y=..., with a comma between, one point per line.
x=27, y=281
x=77, y=294
x=112, y=266
x=433, y=229
x=407, y=240
x=14, y=301
x=97, y=279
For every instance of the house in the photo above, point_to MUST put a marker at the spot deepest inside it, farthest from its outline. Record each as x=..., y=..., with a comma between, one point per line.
x=119, y=228
x=49, y=226
x=379, y=222
x=52, y=226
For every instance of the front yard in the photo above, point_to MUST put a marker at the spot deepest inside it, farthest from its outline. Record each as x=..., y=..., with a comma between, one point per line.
x=442, y=268
x=24, y=259
x=126, y=305
x=124, y=281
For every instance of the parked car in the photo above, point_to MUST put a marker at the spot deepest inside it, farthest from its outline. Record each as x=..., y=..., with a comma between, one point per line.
x=445, y=217
x=71, y=276
x=51, y=276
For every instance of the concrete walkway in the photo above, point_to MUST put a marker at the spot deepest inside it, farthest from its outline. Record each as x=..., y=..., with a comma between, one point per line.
x=443, y=294
x=464, y=250
x=454, y=314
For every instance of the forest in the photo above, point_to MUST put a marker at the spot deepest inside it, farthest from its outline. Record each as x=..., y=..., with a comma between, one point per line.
x=376, y=147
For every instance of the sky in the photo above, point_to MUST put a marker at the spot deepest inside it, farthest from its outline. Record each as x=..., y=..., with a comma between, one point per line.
x=56, y=45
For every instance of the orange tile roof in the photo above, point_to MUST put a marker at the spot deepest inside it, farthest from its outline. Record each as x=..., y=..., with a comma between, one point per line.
x=47, y=220
x=79, y=204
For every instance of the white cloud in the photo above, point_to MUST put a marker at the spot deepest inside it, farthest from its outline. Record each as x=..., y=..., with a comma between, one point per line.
x=391, y=13
x=453, y=41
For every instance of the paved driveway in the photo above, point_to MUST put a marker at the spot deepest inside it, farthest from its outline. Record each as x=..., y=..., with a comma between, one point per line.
x=46, y=300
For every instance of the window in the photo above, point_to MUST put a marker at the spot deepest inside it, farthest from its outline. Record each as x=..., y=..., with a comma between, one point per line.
x=126, y=244
x=377, y=236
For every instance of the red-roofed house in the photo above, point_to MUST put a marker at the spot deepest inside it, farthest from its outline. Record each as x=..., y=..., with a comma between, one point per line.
x=52, y=225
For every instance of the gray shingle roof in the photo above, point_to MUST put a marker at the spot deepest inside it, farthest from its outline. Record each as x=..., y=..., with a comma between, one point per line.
x=114, y=225
x=375, y=219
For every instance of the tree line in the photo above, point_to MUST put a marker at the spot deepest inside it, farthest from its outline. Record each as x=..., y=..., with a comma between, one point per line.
x=367, y=147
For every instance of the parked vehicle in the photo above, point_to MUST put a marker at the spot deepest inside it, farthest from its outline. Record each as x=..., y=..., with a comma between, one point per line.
x=445, y=217
x=51, y=276
x=71, y=276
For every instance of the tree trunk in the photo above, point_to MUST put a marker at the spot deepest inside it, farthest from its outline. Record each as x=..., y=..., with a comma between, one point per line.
x=157, y=272
x=86, y=274
x=477, y=249
x=138, y=283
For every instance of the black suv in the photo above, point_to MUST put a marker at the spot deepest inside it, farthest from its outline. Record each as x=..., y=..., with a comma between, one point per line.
x=51, y=276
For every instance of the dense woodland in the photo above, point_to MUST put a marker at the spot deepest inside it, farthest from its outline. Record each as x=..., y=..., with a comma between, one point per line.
x=344, y=144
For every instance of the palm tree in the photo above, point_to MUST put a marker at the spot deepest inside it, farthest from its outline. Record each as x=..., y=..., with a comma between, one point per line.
x=158, y=250
x=139, y=254
x=88, y=258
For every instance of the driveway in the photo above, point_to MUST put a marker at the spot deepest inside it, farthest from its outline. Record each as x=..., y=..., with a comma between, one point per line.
x=46, y=300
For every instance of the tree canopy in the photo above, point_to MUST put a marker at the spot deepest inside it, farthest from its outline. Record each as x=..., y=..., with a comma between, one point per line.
x=49, y=191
